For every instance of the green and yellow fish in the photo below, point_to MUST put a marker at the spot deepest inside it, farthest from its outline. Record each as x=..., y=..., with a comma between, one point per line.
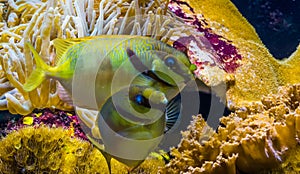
x=95, y=69
x=92, y=69
x=108, y=63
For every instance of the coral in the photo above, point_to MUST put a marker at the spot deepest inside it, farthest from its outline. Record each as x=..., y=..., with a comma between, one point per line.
x=237, y=56
x=38, y=150
x=51, y=118
x=42, y=21
x=265, y=135
x=290, y=166
x=51, y=150
x=150, y=166
x=228, y=59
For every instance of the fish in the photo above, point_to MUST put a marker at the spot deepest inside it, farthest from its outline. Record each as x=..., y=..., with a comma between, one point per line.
x=91, y=69
x=102, y=56
x=130, y=135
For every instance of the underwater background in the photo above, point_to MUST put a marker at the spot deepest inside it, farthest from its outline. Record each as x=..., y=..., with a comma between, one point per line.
x=276, y=22
x=277, y=25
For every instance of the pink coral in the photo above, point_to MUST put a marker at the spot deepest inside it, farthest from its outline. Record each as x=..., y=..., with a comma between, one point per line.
x=227, y=54
x=51, y=118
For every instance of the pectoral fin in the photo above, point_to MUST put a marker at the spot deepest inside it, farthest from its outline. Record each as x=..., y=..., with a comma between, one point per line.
x=64, y=95
x=173, y=112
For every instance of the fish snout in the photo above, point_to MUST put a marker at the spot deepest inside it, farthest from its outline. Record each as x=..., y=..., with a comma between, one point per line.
x=158, y=98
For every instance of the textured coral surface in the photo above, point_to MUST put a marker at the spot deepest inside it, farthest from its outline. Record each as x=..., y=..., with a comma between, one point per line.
x=265, y=135
x=32, y=150
x=51, y=150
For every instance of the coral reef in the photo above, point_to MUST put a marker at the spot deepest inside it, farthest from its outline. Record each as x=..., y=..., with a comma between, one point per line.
x=234, y=45
x=255, y=139
x=290, y=166
x=51, y=150
x=263, y=132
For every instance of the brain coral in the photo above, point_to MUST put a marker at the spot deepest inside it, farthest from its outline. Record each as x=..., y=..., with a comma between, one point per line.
x=255, y=139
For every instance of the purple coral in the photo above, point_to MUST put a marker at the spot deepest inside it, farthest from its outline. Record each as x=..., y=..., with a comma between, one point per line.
x=228, y=57
x=52, y=118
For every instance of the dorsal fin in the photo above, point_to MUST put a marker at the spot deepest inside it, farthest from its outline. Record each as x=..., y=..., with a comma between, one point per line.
x=63, y=45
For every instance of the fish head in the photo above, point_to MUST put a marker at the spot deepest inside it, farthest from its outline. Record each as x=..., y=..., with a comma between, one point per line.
x=145, y=96
x=173, y=68
x=138, y=105
x=170, y=66
x=147, y=102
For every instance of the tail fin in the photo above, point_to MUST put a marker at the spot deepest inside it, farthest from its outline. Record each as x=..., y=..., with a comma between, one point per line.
x=39, y=74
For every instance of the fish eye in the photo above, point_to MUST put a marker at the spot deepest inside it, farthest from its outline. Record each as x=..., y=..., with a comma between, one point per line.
x=139, y=99
x=170, y=61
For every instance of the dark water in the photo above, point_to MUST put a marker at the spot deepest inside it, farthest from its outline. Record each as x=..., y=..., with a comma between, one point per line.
x=277, y=22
